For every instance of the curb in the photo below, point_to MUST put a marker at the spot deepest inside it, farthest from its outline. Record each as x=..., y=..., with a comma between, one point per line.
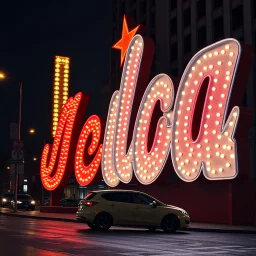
x=214, y=230
x=37, y=217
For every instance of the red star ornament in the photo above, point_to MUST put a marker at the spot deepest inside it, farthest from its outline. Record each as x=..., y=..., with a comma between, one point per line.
x=124, y=42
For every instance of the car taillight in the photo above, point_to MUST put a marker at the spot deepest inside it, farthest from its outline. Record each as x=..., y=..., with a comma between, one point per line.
x=89, y=203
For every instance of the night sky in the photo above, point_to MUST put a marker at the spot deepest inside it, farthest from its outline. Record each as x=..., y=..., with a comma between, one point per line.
x=32, y=33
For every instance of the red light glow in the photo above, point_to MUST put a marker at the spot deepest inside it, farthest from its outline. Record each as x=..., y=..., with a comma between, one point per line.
x=86, y=173
x=124, y=42
x=51, y=171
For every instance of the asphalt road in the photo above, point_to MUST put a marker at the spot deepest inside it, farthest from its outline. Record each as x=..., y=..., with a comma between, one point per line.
x=29, y=237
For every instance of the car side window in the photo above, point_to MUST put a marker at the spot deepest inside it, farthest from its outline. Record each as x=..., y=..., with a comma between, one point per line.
x=118, y=197
x=108, y=196
x=142, y=199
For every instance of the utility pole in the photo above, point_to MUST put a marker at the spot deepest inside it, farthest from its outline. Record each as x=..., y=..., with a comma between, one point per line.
x=16, y=164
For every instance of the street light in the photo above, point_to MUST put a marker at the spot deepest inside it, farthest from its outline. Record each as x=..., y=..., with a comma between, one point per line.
x=34, y=159
x=32, y=131
x=8, y=168
x=3, y=76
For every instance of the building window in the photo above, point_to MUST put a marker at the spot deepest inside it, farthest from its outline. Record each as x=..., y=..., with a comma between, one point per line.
x=201, y=9
x=201, y=37
x=217, y=3
x=154, y=65
x=134, y=14
x=218, y=28
x=237, y=17
x=173, y=4
x=153, y=20
x=174, y=71
x=254, y=9
x=186, y=17
x=143, y=7
x=245, y=100
x=187, y=44
x=174, y=52
x=174, y=26
x=122, y=8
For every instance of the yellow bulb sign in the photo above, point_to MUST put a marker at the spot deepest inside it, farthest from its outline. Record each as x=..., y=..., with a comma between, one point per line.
x=60, y=88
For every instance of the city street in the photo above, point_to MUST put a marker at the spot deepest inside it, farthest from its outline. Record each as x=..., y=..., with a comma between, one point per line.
x=27, y=237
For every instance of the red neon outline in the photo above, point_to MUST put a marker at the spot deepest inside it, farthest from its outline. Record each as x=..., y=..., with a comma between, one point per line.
x=86, y=173
x=56, y=173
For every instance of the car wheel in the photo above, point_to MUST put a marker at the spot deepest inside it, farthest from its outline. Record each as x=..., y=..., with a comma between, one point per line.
x=103, y=221
x=170, y=223
x=90, y=225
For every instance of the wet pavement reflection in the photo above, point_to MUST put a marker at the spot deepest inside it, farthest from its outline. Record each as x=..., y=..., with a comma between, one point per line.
x=25, y=237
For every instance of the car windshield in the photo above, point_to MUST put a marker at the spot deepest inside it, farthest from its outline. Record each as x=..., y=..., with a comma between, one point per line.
x=23, y=197
x=8, y=195
x=149, y=199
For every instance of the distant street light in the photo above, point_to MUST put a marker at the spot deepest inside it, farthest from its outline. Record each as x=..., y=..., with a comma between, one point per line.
x=8, y=167
x=3, y=76
x=32, y=131
x=34, y=159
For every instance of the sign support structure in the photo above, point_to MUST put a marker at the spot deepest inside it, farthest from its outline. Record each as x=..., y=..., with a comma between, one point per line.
x=20, y=147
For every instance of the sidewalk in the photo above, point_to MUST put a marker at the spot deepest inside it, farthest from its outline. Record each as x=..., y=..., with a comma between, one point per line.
x=194, y=226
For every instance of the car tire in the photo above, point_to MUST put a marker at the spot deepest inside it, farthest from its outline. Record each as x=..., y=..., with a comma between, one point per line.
x=90, y=225
x=170, y=223
x=103, y=221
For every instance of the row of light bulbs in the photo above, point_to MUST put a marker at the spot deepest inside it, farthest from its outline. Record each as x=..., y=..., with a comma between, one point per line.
x=185, y=156
x=85, y=174
x=65, y=126
x=60, y=93
x=148, y=165
x=122, y=159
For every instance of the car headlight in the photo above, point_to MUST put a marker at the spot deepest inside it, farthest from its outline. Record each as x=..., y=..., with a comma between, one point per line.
x=4, y=200
x=19, y=202
x=33, y=202
x=184, y=212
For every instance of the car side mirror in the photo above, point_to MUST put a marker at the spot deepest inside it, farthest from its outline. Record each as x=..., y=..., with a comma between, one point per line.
x=154, y=204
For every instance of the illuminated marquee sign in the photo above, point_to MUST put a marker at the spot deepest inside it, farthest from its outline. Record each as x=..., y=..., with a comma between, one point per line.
x=60, y=88
x=210, y=149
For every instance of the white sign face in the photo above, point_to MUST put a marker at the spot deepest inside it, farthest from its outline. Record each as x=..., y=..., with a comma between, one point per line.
x=213, y=152
x=17, y=155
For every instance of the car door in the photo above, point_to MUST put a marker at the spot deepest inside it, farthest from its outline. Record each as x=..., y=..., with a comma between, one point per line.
x=146, y=214
x=121, y=207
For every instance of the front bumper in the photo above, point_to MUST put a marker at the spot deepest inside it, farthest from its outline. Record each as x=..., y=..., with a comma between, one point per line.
x=25, y=206
x=184, y=221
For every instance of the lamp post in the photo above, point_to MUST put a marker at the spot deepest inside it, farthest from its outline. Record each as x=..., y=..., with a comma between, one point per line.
x=3, y=76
